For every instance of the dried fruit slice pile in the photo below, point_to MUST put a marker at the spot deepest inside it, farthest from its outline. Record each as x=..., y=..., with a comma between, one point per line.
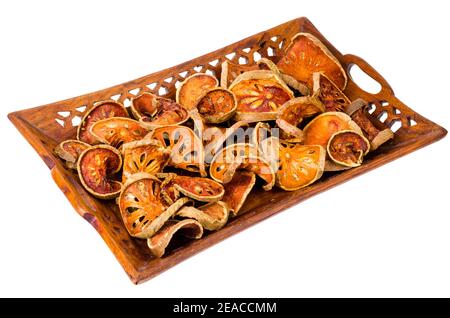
x=182, y=166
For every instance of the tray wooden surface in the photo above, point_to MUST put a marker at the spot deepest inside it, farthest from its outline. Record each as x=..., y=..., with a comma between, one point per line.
x=45, y=126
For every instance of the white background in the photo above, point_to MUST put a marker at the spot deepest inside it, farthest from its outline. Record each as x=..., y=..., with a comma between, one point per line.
x=385, y=233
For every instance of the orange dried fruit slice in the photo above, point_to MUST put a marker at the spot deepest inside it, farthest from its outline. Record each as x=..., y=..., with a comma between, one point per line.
x=238, y=189
x=144, y=105
x=306, y=55
x=186, y=148
x=217, y=105
x=329, y=94
x=212, y=216
x=100, y=110
x=160, y=241
x=320, y=129
x=155, y=111
x=259, y=94
x=265, y=63
x=69, y=151
x=241, y=156
x=294, y=111
x=299, y=165
x=348, y=148
x=227, y=160
x=142, y=209
x=200, y=189
x=147, y=155
x=97, y=167
x=193, y=88
x=116, y=131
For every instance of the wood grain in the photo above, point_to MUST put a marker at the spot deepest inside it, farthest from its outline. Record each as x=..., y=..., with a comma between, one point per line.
x=45, y=126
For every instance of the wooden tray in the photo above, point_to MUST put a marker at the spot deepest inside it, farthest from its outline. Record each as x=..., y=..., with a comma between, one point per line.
x=45, y=126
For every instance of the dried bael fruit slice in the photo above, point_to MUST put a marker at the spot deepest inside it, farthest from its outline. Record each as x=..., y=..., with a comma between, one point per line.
x=155, y=111
x=320, y=129
x=144, y=105
x=232, y=70
x=142, y=209
x=147, y=155
x=227, y=160
x=188, y=228
x=294, y=111
x=348, y=148
x=212, y=216
x=217, y=105
x=358, y=112
x=329, y=94
x=186, y=148
x=299, y=165
x=116, y=131
x=100, y=110
x=193, y=88
x=96, y=167
x=241, y=156
x=264, y=63
x=200, y=189
x=259, y=94
x=237, y=190
x=306, y=55
x=69, y=151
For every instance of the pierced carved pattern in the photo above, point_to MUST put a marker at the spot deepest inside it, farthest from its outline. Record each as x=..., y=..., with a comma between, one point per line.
x=392, y=117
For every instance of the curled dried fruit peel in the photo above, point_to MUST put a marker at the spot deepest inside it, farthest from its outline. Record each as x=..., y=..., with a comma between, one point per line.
x=100, y=110
x=294, y=111
x=146, y=155
x=306, y=55
x=238, y=189
x=348, y=148
x=319, y=130
x=70, y=151
x=299, y=165
x=154, y=111
x=259, y=94
x=142, y=208
x=188, y=228
x=217, y=105
x=212, y=216
x=193, y=87
x=377, y=137
x=144, y=105
x=116, y=131
x=97, y=166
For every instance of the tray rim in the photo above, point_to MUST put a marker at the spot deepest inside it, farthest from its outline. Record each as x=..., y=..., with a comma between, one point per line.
x=253, y=217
